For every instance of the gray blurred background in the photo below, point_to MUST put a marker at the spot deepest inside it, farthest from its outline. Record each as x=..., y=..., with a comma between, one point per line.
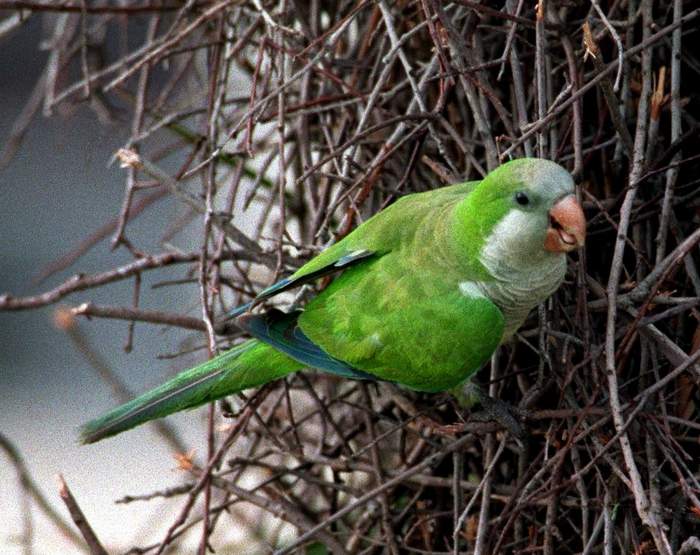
x=56, y=191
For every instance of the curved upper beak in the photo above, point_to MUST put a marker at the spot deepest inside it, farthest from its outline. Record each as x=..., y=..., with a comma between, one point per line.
x=567, y=226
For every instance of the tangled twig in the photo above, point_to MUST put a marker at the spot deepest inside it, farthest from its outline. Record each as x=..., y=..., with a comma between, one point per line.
x=290, y=123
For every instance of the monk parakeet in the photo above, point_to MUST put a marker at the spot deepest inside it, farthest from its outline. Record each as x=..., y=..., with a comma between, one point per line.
x=423, y=294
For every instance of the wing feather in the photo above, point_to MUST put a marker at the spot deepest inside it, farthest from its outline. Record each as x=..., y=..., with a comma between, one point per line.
x=301, y=278
x=281, y=331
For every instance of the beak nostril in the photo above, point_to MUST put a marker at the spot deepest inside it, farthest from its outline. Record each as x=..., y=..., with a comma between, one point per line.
x=567, y=226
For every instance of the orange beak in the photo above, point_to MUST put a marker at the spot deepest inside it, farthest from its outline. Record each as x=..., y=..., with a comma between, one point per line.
x=567, y=226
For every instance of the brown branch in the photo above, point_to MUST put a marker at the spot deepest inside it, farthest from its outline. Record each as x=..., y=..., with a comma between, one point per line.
x=78, y=8
x=374, y=492
x=83, y=282
x=139, y=315
x=34, y=492
x=641, y=47
x=78, y=517
x=293, y=122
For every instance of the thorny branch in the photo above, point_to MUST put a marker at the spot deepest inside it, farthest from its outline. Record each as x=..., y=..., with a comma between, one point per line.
x=291, y=122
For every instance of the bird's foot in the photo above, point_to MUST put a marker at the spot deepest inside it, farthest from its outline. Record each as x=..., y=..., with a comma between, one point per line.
x=510, y=417
x=506, y=415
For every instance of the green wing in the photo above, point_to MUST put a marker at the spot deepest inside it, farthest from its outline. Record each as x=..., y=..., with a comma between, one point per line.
x=413, y=328
x=380, y=234
x=281, y=331
x=413, y=315
x=398, y=311
x=293, y=281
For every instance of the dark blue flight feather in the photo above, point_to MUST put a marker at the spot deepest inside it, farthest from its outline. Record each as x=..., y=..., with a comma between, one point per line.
x=281, y=330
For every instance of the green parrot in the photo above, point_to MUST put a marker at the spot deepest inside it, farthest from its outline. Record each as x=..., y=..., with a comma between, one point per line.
x=425, y=292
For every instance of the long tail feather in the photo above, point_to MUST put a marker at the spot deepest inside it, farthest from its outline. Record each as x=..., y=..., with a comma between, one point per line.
x=248, y=365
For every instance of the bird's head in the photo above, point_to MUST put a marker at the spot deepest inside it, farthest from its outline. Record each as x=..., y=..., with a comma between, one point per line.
x=525, y=210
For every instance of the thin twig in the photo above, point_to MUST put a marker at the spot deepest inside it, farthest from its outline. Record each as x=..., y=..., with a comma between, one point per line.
x=78, y=517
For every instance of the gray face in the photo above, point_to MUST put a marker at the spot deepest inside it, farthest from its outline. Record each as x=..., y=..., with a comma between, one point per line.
x=544, y=183
x=548, y=177
x=536, y=186
x=524, y=272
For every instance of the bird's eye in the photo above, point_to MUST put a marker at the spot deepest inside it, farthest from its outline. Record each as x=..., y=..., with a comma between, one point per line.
x=522, y=199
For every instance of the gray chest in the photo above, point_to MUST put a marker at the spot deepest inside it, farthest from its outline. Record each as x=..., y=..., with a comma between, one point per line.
x=517, y=290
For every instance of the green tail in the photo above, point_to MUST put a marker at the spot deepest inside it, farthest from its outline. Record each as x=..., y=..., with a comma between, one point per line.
x=248, y=365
